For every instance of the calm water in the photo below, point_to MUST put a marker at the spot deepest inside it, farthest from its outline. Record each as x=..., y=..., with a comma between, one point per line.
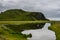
x=41, y=34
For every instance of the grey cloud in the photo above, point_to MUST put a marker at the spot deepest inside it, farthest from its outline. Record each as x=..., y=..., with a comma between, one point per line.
x=50, y=8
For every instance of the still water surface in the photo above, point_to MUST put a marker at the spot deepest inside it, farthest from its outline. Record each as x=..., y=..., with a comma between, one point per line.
x=41, y=34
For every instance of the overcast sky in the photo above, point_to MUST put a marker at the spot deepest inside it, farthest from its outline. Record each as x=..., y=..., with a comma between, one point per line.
x=51, y=8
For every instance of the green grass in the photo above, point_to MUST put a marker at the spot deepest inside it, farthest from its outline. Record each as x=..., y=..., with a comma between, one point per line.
x=21, y=22
x=14, y=20
x=11, y=34
x=56, y=28
x=21, y=15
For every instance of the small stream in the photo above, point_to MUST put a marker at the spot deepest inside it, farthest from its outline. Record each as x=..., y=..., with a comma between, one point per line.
x=41, y=34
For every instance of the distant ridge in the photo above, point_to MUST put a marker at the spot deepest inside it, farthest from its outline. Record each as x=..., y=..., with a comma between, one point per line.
x=21, y=15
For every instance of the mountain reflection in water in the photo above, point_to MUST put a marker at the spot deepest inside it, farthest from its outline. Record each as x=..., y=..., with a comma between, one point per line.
x=41, y=34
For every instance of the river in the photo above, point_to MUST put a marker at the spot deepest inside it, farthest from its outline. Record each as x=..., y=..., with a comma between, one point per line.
x=41, y=34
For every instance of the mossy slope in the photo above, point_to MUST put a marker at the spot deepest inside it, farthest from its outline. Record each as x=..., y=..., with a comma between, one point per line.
x=21, y=15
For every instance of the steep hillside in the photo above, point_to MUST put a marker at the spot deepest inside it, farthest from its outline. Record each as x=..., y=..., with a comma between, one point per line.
x=21, y=15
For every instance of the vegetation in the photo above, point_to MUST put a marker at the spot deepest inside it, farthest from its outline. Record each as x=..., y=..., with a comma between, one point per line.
x=13, y=21
x=21, y=22
x=8, y=34
x=21, y=15
x=23, y=27
x=13, y=32
x=56, y=28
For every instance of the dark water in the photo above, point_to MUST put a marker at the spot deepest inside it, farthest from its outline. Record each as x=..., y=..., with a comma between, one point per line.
x=41, y=34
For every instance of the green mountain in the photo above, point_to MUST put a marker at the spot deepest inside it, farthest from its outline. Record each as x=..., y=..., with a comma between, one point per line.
x=13, y=32
x=21, y=15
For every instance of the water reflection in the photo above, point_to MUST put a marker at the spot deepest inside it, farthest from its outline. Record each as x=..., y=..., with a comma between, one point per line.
x=41, y=34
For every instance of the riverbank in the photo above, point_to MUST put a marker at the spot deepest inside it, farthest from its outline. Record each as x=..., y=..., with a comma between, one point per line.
x=11, y=30
x=9, y=34
x=56, y=28
x=41, y=34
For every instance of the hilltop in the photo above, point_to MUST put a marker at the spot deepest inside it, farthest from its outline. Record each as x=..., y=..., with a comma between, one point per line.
x=21, y=15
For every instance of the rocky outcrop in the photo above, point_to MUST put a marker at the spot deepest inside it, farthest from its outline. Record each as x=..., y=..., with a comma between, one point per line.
x=38, y=15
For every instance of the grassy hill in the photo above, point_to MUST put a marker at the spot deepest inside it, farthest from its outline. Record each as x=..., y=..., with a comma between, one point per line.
x=21, y=15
